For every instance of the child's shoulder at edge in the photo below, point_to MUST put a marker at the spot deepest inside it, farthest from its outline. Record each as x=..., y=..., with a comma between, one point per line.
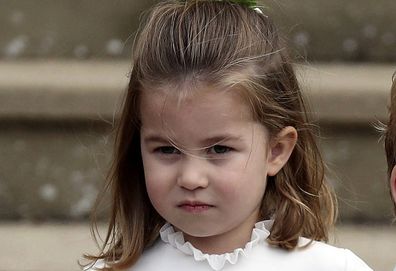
x=321, y=252
x=155, y=255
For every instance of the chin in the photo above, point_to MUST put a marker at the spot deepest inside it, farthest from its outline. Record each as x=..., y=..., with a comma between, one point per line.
x=198, y=231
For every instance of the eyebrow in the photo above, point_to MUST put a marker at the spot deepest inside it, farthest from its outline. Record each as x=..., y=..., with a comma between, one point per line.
x=207, y=141
x=155, y=138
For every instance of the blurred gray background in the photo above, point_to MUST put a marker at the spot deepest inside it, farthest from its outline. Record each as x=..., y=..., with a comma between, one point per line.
x=64, y=66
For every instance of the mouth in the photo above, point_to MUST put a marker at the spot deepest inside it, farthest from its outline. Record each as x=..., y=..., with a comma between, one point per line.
x=194, y=206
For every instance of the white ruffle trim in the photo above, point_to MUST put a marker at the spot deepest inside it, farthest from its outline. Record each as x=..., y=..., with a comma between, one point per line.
x=216, y=261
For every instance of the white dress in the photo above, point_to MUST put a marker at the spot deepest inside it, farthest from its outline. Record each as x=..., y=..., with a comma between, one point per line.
x=172, y=253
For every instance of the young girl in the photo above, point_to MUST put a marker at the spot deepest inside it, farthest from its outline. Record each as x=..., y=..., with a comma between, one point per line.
x=390, y=143
x=216, y=166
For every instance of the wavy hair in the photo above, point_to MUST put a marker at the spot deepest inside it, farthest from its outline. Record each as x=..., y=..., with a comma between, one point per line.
x=224, y=44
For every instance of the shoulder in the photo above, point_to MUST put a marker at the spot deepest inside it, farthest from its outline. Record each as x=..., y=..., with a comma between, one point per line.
x=323, y=255
x=158, y=257
x=308, y=256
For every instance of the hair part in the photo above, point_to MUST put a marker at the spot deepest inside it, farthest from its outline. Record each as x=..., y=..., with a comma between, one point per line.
x=221, y=44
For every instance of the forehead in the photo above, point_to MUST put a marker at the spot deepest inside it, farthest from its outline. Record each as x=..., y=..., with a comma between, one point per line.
x=200, y=101
x=195, y=116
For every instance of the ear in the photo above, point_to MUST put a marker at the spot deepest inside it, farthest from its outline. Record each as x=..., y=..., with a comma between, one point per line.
x=281, y=147
x=393, y=183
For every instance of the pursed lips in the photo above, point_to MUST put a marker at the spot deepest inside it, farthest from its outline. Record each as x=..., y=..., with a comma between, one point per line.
x=194, y=206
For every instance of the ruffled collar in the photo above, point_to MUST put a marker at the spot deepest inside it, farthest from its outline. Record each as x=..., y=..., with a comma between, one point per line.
x=216, y=261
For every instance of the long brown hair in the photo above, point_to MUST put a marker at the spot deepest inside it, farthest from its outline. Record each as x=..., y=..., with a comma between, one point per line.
x=225, y=44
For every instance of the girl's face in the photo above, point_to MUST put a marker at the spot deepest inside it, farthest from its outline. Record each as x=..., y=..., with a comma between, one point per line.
x=206, y=163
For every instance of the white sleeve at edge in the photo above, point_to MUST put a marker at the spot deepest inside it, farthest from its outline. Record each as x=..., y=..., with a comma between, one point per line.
x=98, y=265
x=354, y=263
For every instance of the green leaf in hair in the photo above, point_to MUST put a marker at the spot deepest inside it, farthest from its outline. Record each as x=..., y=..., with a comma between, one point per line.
x=247, y=3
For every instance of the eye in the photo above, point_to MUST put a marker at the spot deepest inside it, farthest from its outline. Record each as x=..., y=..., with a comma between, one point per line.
x=220, y=149
x=167, y=150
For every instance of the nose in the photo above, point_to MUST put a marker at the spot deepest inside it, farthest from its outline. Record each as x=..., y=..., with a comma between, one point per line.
x=193, y=173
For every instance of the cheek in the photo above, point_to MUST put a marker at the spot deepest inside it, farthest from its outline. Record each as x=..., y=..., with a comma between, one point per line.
x=236, y=186
x=154, y=190
x=159, y=191
x=153, y=185
x=160, y=181
x=247, y=182
x=156, y=181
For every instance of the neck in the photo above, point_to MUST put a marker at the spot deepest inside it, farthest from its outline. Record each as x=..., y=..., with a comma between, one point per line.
x=225, y=242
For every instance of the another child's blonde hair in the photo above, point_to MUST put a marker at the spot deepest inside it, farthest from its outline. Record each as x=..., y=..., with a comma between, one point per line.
x=224, y=44
x=390, y=133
